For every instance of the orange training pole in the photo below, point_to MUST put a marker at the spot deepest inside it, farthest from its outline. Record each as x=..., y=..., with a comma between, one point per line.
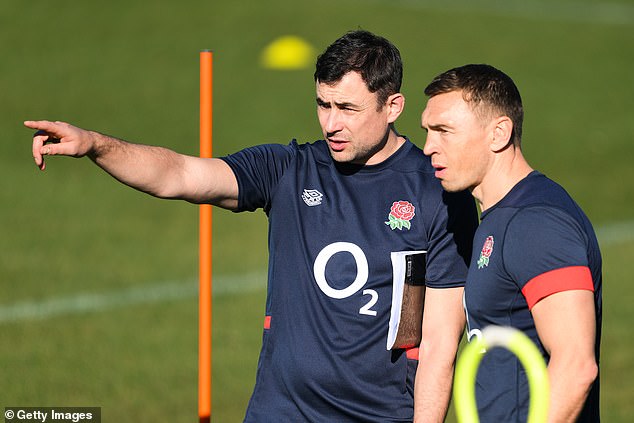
x=205, y=219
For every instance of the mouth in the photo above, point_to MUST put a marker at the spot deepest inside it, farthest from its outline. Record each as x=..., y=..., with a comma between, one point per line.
x=337, y=145
x=440, y=170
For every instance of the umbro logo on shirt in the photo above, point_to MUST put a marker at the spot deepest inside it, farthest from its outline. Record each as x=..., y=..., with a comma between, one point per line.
x=312, y=197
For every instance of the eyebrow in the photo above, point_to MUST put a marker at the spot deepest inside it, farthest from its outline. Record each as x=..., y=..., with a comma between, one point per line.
x=436, y=127
x=344, y=105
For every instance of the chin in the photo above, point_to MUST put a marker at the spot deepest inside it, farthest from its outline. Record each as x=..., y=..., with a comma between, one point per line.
x=341, y=156
x=451, y=187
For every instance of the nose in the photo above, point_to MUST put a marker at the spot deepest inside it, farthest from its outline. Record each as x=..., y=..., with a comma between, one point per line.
x=430, y=144
x=333, y=122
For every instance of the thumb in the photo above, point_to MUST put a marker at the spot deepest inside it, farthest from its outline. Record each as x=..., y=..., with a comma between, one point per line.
x=56, y=148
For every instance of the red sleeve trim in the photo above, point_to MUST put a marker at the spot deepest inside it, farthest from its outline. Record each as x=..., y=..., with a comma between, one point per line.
x=267, y=322
x=412, y=353
x=558, y=280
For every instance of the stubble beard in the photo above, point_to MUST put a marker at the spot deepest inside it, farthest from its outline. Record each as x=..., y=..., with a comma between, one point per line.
x=359, y=154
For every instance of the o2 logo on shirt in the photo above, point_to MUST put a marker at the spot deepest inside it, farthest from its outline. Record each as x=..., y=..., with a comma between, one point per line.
x=319, y=271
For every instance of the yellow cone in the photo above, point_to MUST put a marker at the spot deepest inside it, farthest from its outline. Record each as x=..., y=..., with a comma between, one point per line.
x=288, y=53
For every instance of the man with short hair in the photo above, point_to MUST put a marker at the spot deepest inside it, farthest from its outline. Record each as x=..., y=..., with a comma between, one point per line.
x=339, y=210
x=536, y=264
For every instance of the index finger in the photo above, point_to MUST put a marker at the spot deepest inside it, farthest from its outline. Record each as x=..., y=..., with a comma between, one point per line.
x=45, y=133
x=42, y=125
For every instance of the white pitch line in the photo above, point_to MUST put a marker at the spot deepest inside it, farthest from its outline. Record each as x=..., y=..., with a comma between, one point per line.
x=608, y=235
x=85, y=303
x=562, y=11
x=143, y=294
x=615, y=233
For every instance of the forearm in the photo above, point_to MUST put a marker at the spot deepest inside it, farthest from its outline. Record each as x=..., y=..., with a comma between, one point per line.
x=151, y=169
x=443, y=325
x=432, y=389
x=570, y=383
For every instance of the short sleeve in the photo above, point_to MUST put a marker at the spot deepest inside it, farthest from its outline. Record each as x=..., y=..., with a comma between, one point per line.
x=545, y=252
x=450, y=240
x=258, y=170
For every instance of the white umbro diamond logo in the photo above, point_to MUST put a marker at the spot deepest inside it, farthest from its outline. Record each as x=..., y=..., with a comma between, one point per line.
x=312, y=197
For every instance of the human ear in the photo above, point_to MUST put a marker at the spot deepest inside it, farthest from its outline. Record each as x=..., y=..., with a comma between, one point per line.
x=502, y=131
x=395, y=104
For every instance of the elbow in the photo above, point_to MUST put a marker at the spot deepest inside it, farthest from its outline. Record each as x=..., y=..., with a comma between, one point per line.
x=588, y=373
x=582, y=373
x=159, y=192
x=442, y=352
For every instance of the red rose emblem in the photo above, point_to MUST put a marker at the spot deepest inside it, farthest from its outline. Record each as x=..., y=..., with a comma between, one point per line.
x=487, y=248
x=403, y=210
x=400, y=215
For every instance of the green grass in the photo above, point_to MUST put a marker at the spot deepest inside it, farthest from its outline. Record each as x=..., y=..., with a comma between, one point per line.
x=616, y=360
x=131, y=69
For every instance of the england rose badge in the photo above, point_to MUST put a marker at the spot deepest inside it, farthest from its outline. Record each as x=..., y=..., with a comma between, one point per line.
x=400, y=215
x=487, y=249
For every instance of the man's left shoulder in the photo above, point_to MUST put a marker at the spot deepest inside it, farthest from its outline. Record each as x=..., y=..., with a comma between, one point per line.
x=415, y=160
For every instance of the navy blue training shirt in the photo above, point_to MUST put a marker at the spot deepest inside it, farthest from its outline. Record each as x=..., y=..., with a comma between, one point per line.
x=332, y=228
x=533, y=243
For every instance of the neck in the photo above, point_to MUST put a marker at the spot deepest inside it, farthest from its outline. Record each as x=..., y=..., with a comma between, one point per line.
x=508, y=168
x=393, y=141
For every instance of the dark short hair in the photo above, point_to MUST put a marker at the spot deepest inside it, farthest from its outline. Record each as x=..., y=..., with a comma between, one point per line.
x=374, y=57
x=486, y=89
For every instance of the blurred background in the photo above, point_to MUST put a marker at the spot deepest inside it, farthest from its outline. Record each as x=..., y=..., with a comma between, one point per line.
x=98, y=283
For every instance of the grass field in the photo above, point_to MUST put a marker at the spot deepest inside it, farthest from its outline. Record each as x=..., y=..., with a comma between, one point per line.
x=98, y=282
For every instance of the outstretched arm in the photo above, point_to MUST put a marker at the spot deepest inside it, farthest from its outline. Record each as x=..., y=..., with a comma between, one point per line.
x=443, y=325
x=157, y=171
